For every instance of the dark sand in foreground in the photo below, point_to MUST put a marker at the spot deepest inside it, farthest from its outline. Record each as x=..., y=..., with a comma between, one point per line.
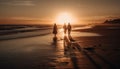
x=107, y=45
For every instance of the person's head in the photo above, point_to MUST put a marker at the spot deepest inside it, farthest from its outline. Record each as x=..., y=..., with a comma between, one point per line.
x=64, y=23
x=69, y=23
x=54, y=23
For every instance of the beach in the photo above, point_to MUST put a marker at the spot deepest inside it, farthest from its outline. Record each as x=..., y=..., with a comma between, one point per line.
x=87, y=48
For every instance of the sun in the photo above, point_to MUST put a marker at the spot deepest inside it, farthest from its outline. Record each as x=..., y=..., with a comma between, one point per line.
x=64, y=18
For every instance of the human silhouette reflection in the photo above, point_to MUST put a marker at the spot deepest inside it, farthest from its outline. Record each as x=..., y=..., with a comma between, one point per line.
x=64, y=42
x=70, y=52
x=55, y=40
x=67, y=45
x=70, y=37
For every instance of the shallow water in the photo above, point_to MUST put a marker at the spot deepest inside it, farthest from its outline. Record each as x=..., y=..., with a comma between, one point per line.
x=84, y=34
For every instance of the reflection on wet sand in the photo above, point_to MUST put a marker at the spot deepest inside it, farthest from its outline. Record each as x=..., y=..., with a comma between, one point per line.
x=65, y=57
x=55, y=40
x=62, y=58
x=69, y=51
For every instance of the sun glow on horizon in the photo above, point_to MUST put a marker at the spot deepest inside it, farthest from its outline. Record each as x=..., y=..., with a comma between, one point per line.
x=64, y=18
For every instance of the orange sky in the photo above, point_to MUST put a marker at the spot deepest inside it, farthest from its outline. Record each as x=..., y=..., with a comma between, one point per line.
x=46, y=11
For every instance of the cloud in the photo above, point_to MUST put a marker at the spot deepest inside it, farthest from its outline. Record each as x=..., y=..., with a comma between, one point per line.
x=24, y=20
x=19, y=3
x=23, y=3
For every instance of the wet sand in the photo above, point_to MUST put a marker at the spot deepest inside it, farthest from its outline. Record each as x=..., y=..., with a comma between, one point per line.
x=107, y=45
x=89, y=49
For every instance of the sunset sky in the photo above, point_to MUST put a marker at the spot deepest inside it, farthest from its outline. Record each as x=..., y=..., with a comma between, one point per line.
x=46, y=11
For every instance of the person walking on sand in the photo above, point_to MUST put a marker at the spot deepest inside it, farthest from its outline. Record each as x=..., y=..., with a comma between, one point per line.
x=69, y=29
x=55, y=29
x=65, y=28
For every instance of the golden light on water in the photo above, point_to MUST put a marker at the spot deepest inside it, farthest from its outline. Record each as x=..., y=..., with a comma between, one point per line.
x=64, y=18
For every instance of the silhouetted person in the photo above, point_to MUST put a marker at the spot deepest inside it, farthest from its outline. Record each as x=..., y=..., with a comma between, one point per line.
x=55, y=29
x=69, y=28
x=65, y=28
